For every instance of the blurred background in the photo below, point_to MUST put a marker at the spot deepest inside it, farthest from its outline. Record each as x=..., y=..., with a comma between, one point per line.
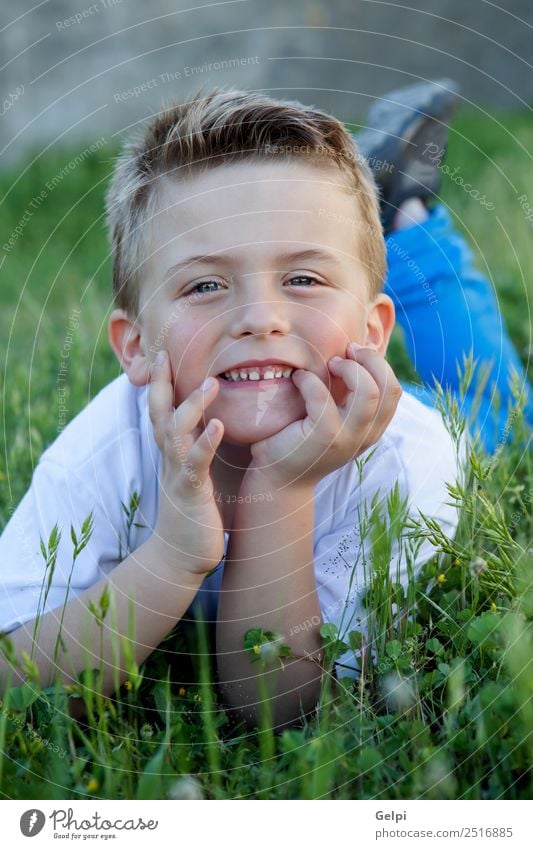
x=80, y=77
x=97, y=68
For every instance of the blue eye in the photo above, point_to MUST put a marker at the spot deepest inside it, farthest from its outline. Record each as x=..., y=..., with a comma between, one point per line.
x=206, y=283
x=305, y=277
x=309, y=281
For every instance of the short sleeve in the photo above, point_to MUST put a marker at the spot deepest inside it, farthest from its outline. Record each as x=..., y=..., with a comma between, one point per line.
x=55, y=495
x=343, y=553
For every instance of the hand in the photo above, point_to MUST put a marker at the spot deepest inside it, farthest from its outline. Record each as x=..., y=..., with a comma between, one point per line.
x=331, y=435
x=188, y=519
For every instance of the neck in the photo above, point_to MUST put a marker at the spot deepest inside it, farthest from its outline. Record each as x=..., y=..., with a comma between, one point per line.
x=227, y=471
x=229, y=466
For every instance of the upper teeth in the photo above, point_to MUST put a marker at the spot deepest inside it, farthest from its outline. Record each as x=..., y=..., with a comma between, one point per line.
x=259, y=373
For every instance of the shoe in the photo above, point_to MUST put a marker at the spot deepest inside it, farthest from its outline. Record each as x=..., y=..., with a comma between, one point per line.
x=404, y=142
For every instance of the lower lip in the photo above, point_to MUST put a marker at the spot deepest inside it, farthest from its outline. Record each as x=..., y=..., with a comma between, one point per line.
x=254, y=384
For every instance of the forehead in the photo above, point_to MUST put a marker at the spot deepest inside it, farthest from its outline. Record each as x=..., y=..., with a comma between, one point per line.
x=256, y=201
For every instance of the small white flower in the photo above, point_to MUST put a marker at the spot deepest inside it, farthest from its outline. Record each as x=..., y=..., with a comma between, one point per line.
x=478, y=566
x=398, y=692
x=186, y=787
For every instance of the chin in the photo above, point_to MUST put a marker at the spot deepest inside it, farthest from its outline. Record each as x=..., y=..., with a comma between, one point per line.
x=247, y=432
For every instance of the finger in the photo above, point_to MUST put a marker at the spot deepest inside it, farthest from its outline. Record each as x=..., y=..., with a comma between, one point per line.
x=389, y=387
x=191, y=411
x=373, y=373
x=201, y=455
x=319, y=403
x=363, y=395
x=160, y=394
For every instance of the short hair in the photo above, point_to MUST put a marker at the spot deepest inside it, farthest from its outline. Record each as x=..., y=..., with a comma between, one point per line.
x=221, y=127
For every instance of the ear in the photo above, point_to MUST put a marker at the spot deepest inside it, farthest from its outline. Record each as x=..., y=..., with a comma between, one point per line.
x=379, y=323
x=126, y=339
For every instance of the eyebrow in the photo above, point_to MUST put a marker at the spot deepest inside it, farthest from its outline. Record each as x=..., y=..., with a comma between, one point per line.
x=227, y=259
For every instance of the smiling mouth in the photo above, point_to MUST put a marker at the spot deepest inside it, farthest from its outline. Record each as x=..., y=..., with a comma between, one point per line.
x=257, y=373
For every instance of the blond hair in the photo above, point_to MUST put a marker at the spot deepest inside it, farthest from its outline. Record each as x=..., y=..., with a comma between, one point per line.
x=221, y=127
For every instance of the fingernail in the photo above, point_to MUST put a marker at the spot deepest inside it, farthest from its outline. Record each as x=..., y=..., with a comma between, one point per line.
x=336, y=360
x=354, y=346
x=159, y=358
x=207, y=384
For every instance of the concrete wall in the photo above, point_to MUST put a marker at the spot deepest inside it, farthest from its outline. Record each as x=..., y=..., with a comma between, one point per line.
x=77, y=71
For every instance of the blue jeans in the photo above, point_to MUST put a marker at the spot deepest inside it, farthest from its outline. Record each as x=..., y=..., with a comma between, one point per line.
x=447, y=309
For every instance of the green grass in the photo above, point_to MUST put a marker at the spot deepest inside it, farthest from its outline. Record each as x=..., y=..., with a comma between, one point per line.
x=443, y=708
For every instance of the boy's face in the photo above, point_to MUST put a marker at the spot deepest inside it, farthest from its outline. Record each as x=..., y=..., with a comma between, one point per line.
x=253, y=261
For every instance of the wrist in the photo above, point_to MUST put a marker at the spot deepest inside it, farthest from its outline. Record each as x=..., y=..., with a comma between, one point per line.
x=266, y=486
x=173, y=564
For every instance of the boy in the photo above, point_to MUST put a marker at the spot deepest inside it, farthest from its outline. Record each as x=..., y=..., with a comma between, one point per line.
x=251, y=324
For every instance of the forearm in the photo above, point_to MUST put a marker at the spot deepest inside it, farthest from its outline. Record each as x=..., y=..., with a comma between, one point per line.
x=269, y=583
x=149, y=594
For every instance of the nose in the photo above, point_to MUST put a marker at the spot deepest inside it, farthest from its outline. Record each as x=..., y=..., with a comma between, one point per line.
x=260, y=317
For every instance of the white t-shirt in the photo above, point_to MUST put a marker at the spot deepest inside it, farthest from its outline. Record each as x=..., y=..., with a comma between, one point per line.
x=108, y=451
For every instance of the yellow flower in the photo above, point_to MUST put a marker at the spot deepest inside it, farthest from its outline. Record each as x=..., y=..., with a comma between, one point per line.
x=182, y=691
x=441, y=578
x=128, y=685
x=493, y=607
x=92, y=785
x=256, y=649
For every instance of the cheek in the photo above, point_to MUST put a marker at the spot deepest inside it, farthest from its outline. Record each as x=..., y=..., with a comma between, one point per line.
x=188, y=349
x=330, y=337
x=331, y=330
